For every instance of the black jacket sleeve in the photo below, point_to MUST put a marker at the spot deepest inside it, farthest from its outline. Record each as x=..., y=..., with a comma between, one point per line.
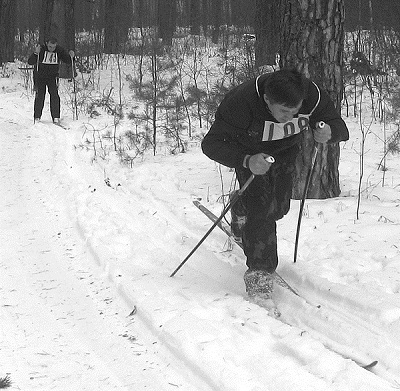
x=221, y=143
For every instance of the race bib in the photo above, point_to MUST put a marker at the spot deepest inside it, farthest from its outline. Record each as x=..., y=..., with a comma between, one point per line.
x=278, y=131
x=50, y=58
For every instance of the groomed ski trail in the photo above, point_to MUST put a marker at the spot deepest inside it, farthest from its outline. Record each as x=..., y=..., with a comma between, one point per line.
x=87, y=341
x=198, y=329
x=349, y=329
x=160, y=210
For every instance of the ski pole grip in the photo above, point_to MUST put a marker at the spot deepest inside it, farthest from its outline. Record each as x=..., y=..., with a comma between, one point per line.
x=270, y=159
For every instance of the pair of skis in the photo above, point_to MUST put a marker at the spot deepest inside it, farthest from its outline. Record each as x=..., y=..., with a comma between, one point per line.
x=279, y=280
x=54, y=123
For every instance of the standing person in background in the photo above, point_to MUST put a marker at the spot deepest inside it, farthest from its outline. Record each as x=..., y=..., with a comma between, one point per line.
x=258, y=119
x=46, y=60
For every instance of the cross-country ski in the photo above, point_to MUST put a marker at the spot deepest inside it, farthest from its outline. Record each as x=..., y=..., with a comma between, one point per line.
x=281, y=282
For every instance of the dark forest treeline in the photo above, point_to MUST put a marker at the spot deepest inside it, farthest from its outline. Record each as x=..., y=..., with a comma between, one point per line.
x=144, y=12
x=198, y=15
x=111, y=21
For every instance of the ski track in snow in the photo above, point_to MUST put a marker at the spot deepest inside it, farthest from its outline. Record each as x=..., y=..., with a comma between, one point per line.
x=81, y=254
x=85, y=338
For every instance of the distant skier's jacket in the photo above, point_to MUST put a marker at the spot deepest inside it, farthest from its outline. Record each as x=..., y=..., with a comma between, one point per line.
x=244, y=126
x=47, y=64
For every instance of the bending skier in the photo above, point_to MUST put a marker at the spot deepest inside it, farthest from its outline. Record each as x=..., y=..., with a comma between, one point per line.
x=260, y=118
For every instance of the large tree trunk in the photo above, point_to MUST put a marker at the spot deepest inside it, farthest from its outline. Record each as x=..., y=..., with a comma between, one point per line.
x=57, y=27
x=312, y=41
x=63, y=23
x=45, y=20
x=7, y=30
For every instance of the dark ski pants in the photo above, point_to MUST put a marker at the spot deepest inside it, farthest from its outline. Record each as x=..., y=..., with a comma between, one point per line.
x=265, y=201
x=52, y=85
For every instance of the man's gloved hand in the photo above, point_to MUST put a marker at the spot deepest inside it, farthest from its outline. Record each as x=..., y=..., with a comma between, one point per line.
x=322, y=133
x=258, y=164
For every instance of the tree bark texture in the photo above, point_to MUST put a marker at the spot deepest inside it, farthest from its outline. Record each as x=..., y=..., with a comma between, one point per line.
x=57, y=27
x=312, y=41
x=46, y=20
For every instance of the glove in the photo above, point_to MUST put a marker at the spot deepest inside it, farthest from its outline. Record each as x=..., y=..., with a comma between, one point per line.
x=322, y=133
x=259, y=163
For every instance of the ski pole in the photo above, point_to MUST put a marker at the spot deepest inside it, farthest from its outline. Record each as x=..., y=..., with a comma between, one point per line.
x=229, y=205
x=35, y=87
x=74, y=86
x=320, y=124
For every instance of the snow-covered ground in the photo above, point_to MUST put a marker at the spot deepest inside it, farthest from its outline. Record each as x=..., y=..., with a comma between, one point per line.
x=87, y=248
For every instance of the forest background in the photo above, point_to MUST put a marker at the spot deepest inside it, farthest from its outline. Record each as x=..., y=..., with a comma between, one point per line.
x=164, y=48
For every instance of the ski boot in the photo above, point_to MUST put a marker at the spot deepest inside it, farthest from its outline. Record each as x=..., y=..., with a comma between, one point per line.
x=259, y=287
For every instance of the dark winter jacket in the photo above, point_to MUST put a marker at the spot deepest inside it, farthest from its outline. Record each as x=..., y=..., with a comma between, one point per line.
x=244, y=126
x=48, y=65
